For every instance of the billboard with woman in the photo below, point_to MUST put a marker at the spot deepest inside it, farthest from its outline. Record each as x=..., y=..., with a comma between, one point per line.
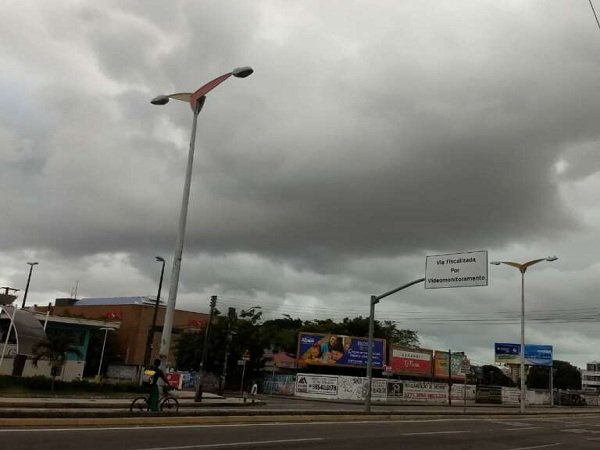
x=330, y=349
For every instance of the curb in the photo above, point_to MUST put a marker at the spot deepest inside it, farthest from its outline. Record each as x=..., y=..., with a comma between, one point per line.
x=236, y=419
x=115, y=405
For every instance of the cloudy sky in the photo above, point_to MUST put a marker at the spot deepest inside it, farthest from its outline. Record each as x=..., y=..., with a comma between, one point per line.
x=372, y=134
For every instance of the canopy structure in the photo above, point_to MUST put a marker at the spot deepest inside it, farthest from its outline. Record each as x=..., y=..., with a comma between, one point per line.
x=28, y=330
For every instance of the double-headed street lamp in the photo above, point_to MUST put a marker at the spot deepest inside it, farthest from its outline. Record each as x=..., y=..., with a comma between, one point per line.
x=196, y=101
x=31, y=264
x=523, y=268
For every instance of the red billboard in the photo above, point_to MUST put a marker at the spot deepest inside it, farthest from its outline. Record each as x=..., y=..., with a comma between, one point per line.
x=413, y=361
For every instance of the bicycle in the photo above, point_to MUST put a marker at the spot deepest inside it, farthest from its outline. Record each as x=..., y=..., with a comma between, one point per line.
x=167, y=402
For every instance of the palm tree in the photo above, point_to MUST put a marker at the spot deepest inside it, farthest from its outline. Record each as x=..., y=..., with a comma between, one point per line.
x=55, y=348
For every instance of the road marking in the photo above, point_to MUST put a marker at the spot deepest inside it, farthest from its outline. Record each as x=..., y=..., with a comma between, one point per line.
x=537, y=446
x=521, y=428
x=234, y=444
x=580, y=431
x=435, y=432
x=510, y=423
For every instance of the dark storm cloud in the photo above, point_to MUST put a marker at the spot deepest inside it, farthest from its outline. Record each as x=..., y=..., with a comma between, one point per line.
x=371, y=134
x=389, y=149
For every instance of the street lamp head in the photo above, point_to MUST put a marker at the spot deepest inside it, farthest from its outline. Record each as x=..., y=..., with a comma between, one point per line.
x=160, y=100
x=496, y=263
x=551, y=258
x=33, y=263
x=242, y=72
x=161, y=259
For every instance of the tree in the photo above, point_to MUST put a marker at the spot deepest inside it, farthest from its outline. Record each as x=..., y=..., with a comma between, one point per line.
x=493, y=376
x=249, y=333
x=55, y=347
x=566, y=376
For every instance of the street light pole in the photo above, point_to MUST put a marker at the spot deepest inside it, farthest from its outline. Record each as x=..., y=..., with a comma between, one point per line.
x=150, y=340
x=374, y=300
x=196, y=101
x=102, y=353
x=523, y=268
x=31, y=264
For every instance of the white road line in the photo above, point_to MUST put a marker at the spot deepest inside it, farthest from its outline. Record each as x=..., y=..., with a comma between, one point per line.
x=234, y=444
x=580, y=431
x=537, y=446
x=424, y=433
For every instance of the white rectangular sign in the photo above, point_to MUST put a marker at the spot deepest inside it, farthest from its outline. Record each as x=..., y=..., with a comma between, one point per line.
x=456, y=270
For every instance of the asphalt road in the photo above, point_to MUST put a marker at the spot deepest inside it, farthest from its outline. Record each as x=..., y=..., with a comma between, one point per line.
x=564, y=432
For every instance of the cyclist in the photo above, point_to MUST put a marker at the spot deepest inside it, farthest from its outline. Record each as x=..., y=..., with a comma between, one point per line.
x=155, y=373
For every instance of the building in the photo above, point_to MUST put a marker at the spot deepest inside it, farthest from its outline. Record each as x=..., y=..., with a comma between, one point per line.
x=135, y=315
x=590, y=378
x=18, y=362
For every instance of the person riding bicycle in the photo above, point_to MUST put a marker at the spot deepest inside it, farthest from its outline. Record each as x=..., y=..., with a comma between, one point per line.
x=155, y=374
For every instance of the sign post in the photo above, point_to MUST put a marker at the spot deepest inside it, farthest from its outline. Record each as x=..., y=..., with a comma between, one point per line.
x=466, y=369
x=243, y=361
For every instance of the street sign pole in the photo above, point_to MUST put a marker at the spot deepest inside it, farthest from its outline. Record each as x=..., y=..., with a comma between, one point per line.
x=243, y=373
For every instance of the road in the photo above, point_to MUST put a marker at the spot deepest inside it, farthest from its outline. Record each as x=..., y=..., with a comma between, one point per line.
x=527, y=433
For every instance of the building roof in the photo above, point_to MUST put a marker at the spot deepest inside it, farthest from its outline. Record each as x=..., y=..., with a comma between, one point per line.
x=113, y=325
x=114, y=301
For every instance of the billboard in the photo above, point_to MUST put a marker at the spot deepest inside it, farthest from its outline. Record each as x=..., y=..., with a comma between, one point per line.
x=320, y=349
x=535, y=355
x=456, y=270
x=321, y=385
x=507, y=353
x=440, y=366
x=416, y=362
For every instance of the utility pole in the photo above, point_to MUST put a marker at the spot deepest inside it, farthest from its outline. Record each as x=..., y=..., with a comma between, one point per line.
x=213, y=304
x=449, y=377
x=150, y=339
x=231, y=315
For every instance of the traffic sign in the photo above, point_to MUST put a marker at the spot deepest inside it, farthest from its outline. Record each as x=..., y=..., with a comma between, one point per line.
x=456, y=270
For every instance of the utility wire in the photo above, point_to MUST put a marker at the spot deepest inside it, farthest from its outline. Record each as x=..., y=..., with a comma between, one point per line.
x=595, y=15
x=575, y=315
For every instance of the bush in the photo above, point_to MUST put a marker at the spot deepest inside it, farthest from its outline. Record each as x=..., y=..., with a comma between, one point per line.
x=42, y=383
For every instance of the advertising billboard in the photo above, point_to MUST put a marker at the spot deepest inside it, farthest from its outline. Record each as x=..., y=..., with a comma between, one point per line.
x=321, y=385
x=506, y=353
x=456, y=270
x=535, y=355
x=320, y=349
x=416, y=362
x=440, y=366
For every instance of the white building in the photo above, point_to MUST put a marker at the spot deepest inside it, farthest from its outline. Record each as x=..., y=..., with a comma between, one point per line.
x=590, y=378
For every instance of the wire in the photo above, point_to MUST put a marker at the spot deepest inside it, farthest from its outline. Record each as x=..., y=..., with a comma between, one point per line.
x=562, y=315
x=595, y=15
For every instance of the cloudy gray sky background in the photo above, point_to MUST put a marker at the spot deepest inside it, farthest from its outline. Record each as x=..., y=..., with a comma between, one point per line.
x=372, y=134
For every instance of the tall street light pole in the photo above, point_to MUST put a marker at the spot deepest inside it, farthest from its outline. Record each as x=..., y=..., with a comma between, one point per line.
x=523, y=268
x=374, y=300
x=106, y=330
x=150, y=340
x=31, y=264
x=196, y=101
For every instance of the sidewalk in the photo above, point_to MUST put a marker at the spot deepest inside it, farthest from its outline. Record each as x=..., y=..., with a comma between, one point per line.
x=186, y=400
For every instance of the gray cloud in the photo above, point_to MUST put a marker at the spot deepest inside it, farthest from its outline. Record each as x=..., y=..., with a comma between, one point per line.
x=367, y=138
